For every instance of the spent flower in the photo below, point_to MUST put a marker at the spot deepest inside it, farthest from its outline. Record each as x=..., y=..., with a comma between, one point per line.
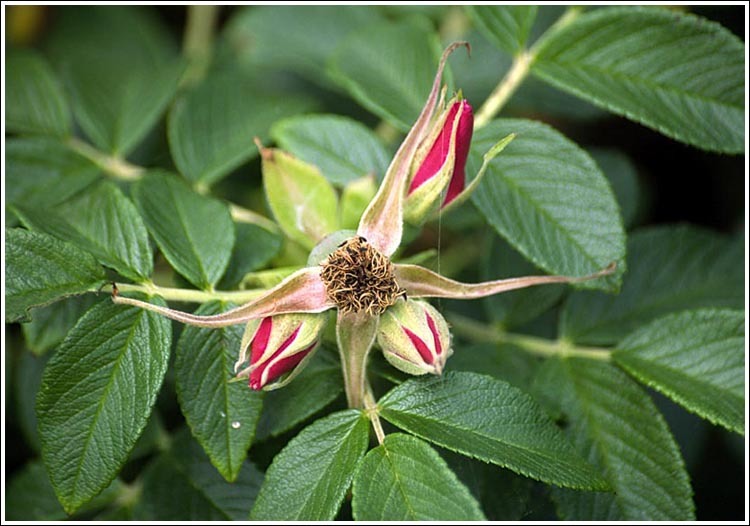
x=352, y=272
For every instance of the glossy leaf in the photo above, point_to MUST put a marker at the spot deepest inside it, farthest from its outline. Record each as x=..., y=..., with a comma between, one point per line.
x=42, y=172
x=194, y=232
x=182, y=485
x=35, y=102
x=211, y=127
x=670, y=268
x=96, y=395
x=615, y=425
x=314, y=389
x=490, y=420
x=696, y=358
x=103, y=222
x=549, y=200
x=222, y=416
x=311, y=33
x=309, y=477
x=342, y=148
x=40, y=269
x=372, y=67
x=254, y=247
x=507, y=26
x=676, y=73
x=404, y=479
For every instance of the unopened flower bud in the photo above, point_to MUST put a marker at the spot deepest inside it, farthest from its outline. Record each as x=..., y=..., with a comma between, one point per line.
x=414, y=337
x=440, y=163
x=278, y=348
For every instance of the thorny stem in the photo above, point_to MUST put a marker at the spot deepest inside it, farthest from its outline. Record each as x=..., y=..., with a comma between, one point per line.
x=542, y=347
x=190, y=295
x=518, y=72
x=371, y=410
x=198, y=42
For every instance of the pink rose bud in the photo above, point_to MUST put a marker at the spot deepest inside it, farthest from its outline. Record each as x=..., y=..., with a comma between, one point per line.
x=277, y=347
x=414, y=337
x=440, y=163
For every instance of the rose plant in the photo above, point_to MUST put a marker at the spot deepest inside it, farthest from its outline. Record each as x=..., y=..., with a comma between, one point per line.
x=327, y=371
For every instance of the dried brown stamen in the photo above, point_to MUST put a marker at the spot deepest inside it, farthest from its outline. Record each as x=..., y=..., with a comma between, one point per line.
x=359, y=278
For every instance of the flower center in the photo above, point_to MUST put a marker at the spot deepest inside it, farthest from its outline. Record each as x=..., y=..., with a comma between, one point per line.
x=359, y=278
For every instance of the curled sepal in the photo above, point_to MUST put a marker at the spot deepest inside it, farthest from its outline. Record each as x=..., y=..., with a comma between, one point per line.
x=301, y=292
x=465, y=193
x=414, y=337
x=382, y=222
x=420, y=282
x=278, y=347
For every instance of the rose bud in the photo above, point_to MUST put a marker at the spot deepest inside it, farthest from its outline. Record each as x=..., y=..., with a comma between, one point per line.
x=414, y=337
x=440, y=162
x=279, y=348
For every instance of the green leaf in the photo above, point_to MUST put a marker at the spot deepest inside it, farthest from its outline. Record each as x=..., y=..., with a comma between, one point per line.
x=42, y=172
x=120, y=69
x=211, y=127
x=503, y=495
x=309, y=477
x=676, y=73
x=670, y=268
x=373, y=68
x=696, y=358
x=314, y=389
x=303, y=202
x=404, y=479
x=311, y=33
x=194, y=232
x=182, y=485
x=342, y=148
x=510, y=309
x=490, y=420
x=623, y=176
x=30, y=496
x=35, y=103
x=505, y=25
x=254, y=247
x=40, y=269
x=103, y=222
x=549, y=200
x=222, y=416
x=96, y=395
x=50, y=324
x=616, y=426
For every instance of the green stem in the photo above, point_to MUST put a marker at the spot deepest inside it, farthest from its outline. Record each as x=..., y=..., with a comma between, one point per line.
x=502, y=92
x=371, y=409
x=198, y=42
x=355, y=334
x=518, y=71
x=190, y=295
x=476, y=331
x=243, y=215
x=112, y=166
